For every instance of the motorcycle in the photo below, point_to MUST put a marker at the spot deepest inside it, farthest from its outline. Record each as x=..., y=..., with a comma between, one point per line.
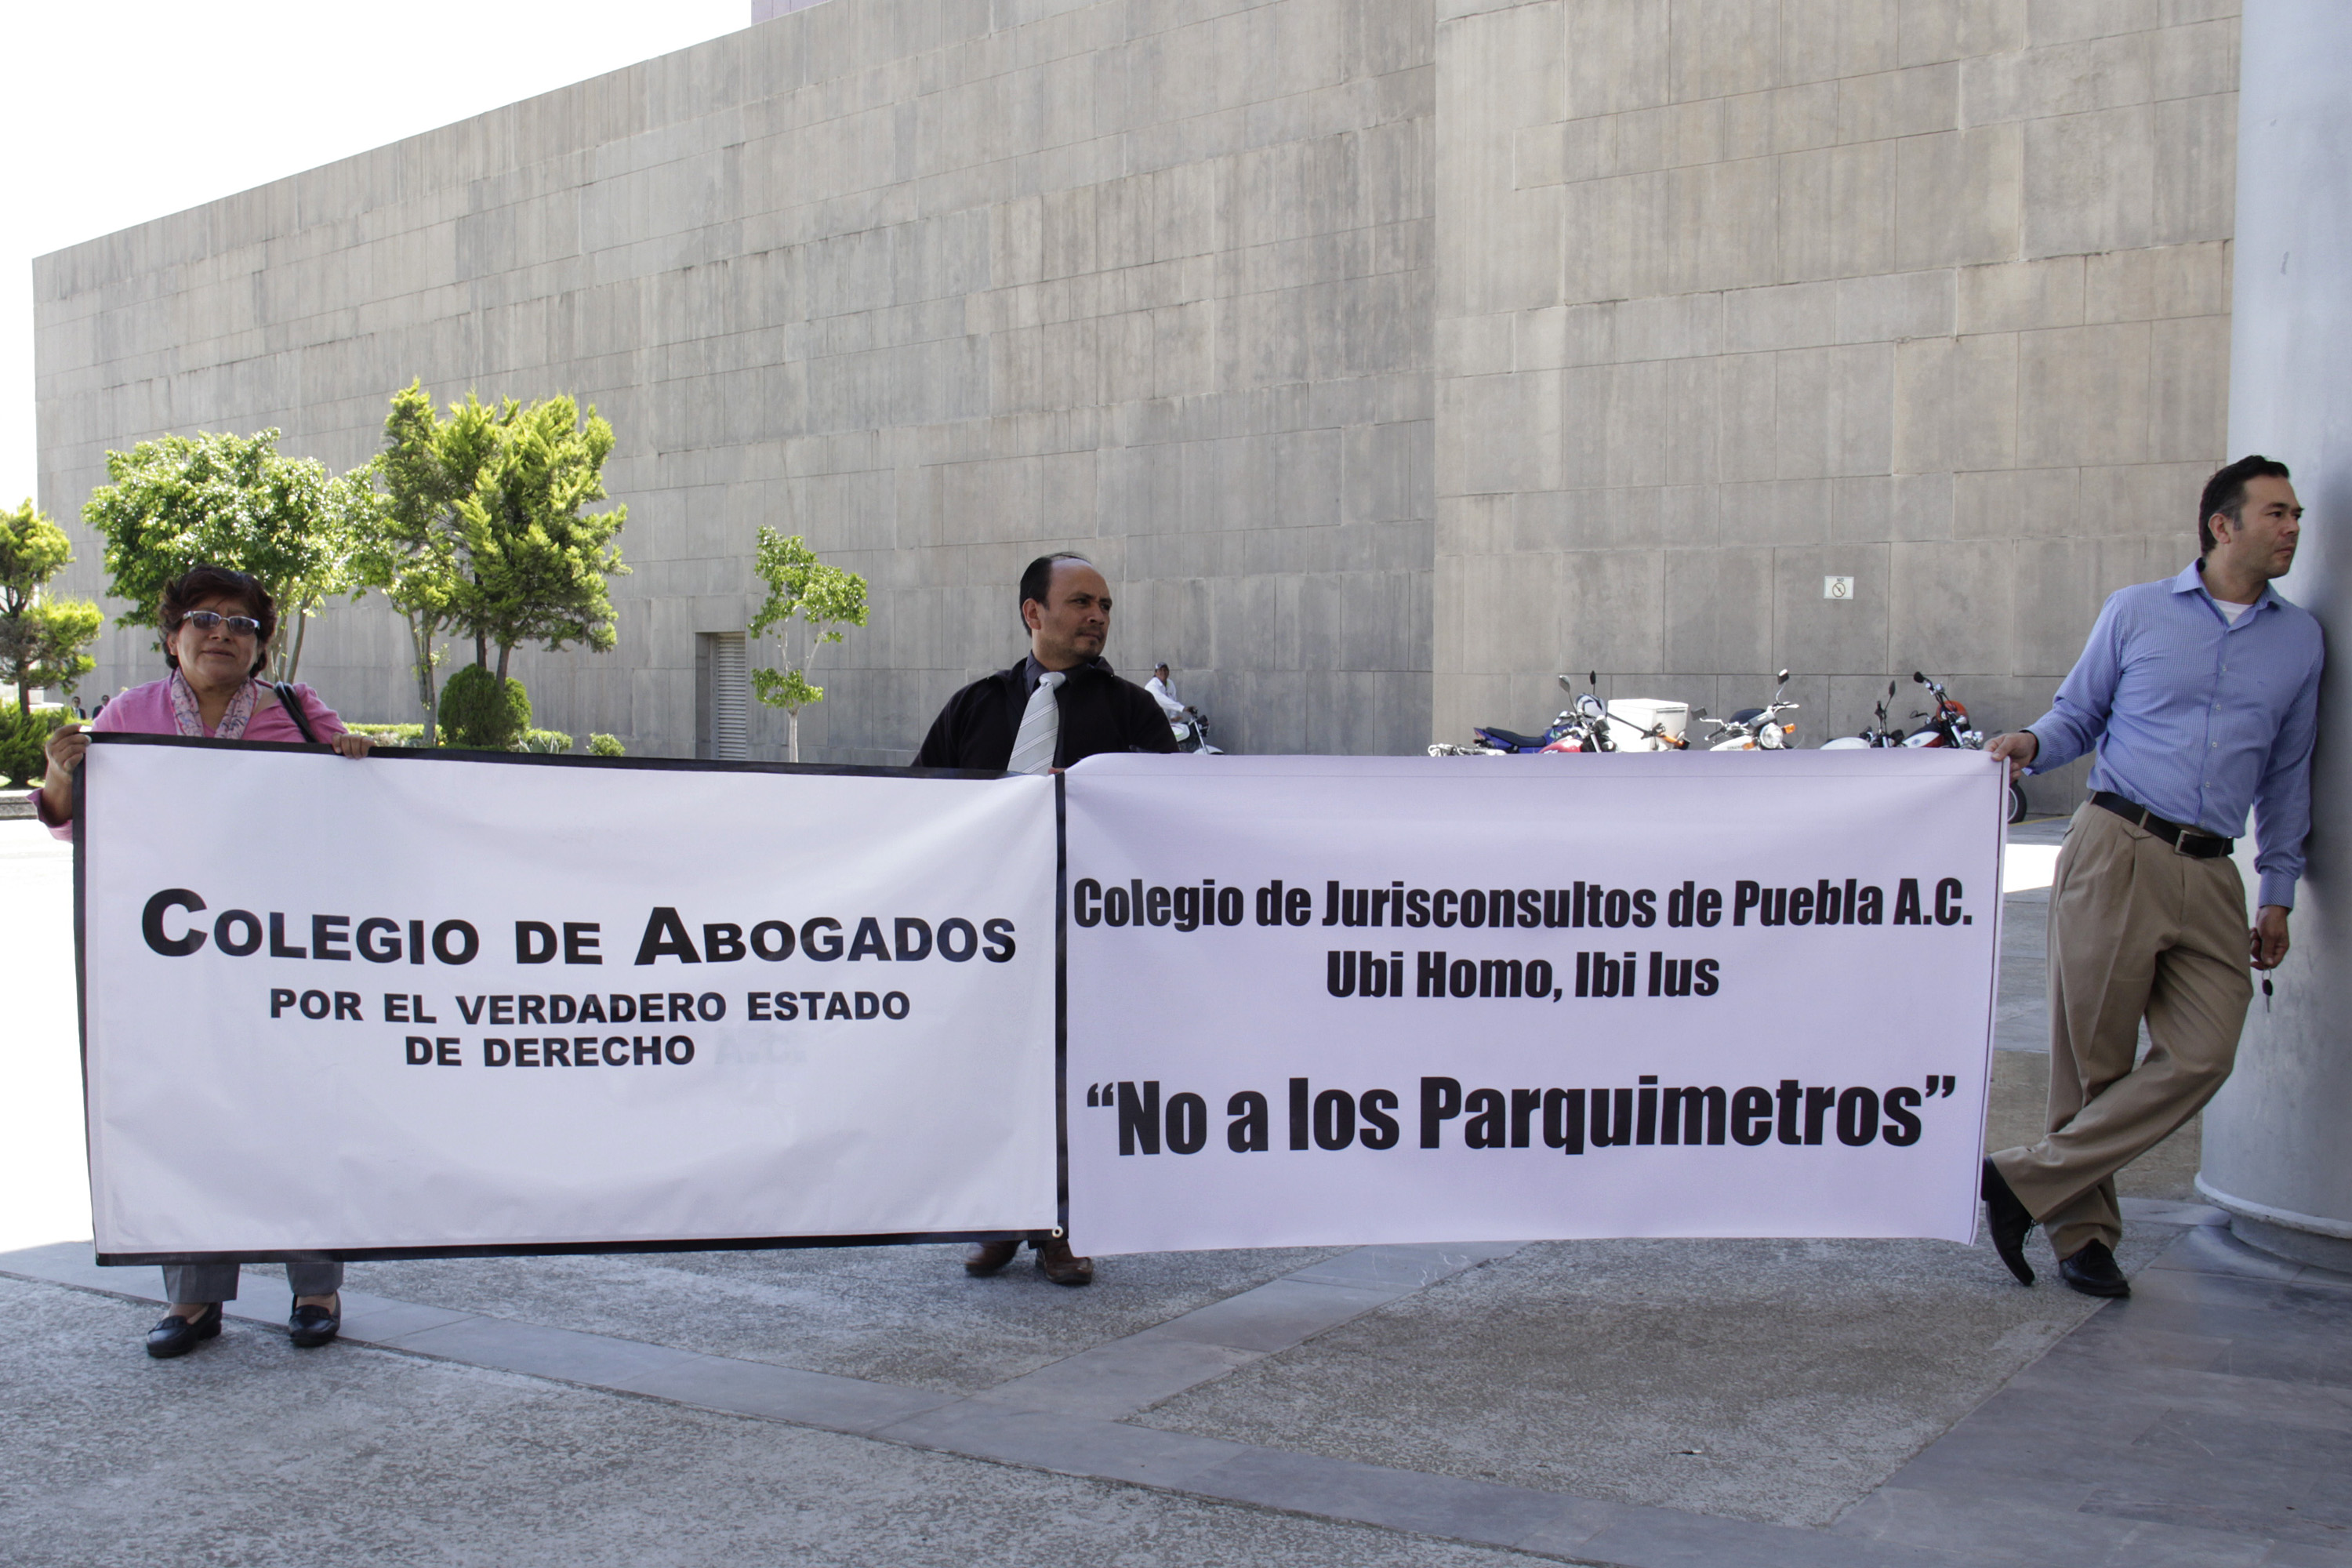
x=1755, y=729
x=1874, y=736
x=1192, y=733
x=1574, y=731
x=1587, y=720
x=1948, y=726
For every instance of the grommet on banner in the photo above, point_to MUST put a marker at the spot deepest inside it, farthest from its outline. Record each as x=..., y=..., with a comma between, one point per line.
x=1059, y=1235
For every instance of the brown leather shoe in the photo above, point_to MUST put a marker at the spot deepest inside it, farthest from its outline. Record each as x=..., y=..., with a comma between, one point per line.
x=990, y=1257
x=1056, y=1262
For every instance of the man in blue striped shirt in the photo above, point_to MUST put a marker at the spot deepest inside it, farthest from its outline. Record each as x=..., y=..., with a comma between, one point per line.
x=2200, y=695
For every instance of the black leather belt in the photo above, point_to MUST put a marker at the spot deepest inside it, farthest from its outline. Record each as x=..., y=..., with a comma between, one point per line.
x=2188, y=840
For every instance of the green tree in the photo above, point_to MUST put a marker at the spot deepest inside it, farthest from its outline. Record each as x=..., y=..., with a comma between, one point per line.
x=406, y=544
x=41, y=641
x=800, y=587
x=181, y=501
x=535, y=563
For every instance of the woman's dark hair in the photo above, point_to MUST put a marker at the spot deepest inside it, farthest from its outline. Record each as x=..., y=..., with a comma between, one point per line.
x=2225, y=492
x=189, y=589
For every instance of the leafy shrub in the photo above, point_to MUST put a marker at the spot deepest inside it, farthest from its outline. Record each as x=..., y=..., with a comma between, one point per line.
x=22, y=736
x=544, y=741
x=476, y=712
x=389, y=734
x=606, y=747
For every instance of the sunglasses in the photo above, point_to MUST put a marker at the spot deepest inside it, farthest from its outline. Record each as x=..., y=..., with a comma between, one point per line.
x=206, y=620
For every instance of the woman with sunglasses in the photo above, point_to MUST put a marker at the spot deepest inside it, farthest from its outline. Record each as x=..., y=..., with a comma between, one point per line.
x=217, y=628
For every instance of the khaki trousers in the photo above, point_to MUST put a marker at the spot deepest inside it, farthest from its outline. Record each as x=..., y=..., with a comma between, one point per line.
x=2136, y=930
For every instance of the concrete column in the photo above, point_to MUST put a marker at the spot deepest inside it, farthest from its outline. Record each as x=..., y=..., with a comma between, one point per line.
x=2276, y=1151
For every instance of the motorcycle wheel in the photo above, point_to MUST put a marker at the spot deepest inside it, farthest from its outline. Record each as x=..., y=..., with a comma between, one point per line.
x=2016, y=802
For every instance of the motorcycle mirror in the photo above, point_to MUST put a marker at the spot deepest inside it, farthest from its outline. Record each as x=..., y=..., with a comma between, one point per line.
x=1921, y=678
x=1890, y=688
x=1698, y=712
x=1593, y=679
x=1566, y=684
x=1782, y=677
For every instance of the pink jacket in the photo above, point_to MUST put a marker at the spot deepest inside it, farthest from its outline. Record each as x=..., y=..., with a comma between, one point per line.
x=147, y=711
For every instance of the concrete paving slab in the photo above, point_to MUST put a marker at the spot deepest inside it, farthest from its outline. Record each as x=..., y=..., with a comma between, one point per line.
x=1656, y=1538
x=2210, y=1249
x=252, y=1453
x=1400, y=1269
x=1120, y=1378
x=1275, y=1316
x=1399, y=1500
x=379, y=1319
x=904, y=1315
x=2146, y=1438
x=1068, y=1445
x=539, y=1350
x=1771, y=1381
x=2014, y=1530
x=782, y=1394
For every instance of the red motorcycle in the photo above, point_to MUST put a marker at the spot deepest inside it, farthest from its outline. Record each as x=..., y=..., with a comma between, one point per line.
x=1948, y=726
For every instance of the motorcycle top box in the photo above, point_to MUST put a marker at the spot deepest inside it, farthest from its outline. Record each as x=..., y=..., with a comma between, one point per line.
x=1647, y=723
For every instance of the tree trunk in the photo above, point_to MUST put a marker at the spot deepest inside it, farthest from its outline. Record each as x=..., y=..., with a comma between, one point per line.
x=482, y=649
x=505, y=648
x=420, y=637
x=792, y=734
x=294, y=653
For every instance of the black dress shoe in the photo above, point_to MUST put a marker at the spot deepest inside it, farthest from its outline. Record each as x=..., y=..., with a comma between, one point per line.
x=2092, y=1271
x=990, y=1257
x=176, y=1335
x=311, y=1327
x=2008, y=1221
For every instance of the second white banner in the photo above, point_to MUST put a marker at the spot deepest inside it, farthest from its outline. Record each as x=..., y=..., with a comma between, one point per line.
x=1340, y=1001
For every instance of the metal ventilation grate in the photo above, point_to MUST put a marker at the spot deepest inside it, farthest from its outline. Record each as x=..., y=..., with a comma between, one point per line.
x=731, y=698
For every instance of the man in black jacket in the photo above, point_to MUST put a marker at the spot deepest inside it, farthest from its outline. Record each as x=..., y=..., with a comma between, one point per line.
x=1059, y=706
x=1066, y=605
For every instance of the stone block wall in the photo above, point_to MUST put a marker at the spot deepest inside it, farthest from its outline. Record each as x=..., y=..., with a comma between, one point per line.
x=1391, y=355
x=939, y=284
x=1736, y=295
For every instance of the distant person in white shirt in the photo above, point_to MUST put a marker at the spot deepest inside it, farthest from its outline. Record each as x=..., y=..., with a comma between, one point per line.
x=1158, y=686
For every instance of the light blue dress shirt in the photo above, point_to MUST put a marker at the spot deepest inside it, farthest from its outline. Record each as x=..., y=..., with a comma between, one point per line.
x=2199, y=720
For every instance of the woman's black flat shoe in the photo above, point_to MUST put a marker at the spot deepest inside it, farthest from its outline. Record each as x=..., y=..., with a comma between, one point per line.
x=176, y=1335
x=311, y=1327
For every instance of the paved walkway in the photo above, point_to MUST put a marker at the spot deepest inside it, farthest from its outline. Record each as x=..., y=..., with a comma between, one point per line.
x=2207, y=1420
x=1638, y=1403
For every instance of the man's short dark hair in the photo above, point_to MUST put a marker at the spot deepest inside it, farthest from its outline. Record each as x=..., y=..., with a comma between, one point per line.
x=2226, y=492
x=1037, y=582
x=191, y=588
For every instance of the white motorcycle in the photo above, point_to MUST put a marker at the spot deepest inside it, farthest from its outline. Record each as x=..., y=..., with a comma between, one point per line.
x=1755, y=729
x=1192, y=732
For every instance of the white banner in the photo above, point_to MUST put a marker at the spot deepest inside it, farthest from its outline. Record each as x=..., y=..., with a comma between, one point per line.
x=1329, y=1001
x=421, y=1002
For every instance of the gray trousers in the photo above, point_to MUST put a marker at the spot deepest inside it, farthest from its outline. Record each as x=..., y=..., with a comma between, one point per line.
x=192, y=1284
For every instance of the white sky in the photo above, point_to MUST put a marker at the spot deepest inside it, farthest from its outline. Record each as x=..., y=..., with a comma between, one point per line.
x=123, y=110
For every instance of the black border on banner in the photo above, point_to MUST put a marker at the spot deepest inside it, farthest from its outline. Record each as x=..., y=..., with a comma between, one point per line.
x=581, y=1248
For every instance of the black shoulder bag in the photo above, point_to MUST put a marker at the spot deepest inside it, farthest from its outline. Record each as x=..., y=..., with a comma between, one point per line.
x=293, y=706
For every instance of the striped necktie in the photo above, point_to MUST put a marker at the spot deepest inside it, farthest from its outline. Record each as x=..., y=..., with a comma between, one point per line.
x=1040, y=726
